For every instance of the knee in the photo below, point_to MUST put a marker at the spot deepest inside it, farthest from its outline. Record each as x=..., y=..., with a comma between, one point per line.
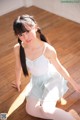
x=32, y=110
x=29, y=110
x=47, y=109
x=43, y=111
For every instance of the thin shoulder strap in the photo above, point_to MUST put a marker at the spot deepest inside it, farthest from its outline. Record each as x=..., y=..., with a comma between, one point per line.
x=44, y=48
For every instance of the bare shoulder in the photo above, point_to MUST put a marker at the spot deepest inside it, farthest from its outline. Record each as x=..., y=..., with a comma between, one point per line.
x=16, y=48
x=17, y=56
x=50, y=50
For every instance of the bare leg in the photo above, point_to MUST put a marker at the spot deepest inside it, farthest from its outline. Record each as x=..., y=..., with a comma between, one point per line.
x=75, y=114
x=46, y=111
x=33, y=107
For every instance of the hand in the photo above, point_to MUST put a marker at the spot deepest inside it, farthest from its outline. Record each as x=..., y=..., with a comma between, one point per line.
x=16, y=84
x=77, y=88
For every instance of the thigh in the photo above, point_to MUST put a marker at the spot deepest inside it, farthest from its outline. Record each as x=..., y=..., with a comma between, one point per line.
x=32, y=103
x=33, y=107
x=50, y=99
x=51, y=95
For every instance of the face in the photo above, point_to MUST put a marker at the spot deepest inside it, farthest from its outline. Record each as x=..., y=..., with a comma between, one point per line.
x=29, y=36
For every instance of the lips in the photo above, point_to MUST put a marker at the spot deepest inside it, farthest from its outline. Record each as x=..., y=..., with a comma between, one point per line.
x=28, y=41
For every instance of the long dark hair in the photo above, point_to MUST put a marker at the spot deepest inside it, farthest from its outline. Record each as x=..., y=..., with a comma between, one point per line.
x=19, y=28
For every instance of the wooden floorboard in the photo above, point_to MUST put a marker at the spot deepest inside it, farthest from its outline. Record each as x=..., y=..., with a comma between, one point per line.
x=62, y=33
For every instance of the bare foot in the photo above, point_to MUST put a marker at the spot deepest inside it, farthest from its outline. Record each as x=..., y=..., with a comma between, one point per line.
x=74, y=114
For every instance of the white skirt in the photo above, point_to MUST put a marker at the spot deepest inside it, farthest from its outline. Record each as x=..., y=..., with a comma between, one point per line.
x=48, y=87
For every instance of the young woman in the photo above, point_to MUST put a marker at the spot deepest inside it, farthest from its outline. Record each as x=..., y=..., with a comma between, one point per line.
x=49, y=78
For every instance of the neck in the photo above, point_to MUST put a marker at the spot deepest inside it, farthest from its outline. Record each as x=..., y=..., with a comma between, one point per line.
x=34, y=45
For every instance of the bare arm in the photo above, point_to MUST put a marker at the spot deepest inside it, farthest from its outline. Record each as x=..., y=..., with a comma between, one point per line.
x=19, y=100
x=18, y=68
x=55, y=61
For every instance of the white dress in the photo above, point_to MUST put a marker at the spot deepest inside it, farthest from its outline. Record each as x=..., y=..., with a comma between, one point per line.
x=46, y=82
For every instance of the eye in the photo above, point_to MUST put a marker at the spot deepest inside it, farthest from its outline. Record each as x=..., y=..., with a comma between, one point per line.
x=20, y=35
x=27, y=31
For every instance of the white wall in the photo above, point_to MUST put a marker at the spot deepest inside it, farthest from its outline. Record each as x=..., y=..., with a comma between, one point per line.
x=28, y=3
x=68, y=10
x=10, y=5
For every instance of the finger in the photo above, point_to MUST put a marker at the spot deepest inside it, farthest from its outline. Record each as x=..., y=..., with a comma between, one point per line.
x=18, y=88
x=14, y=86
x=13, y=82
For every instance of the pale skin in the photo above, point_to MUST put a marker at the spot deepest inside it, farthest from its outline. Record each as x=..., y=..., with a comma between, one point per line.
x=33, y=49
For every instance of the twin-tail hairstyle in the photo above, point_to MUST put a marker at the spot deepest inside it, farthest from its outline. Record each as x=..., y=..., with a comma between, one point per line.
x=19, y=28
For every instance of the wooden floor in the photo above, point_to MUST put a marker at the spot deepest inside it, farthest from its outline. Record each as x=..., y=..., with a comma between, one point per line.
x=63, y=34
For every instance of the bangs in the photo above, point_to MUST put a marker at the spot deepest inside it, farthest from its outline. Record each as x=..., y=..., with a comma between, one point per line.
x=19, y=28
